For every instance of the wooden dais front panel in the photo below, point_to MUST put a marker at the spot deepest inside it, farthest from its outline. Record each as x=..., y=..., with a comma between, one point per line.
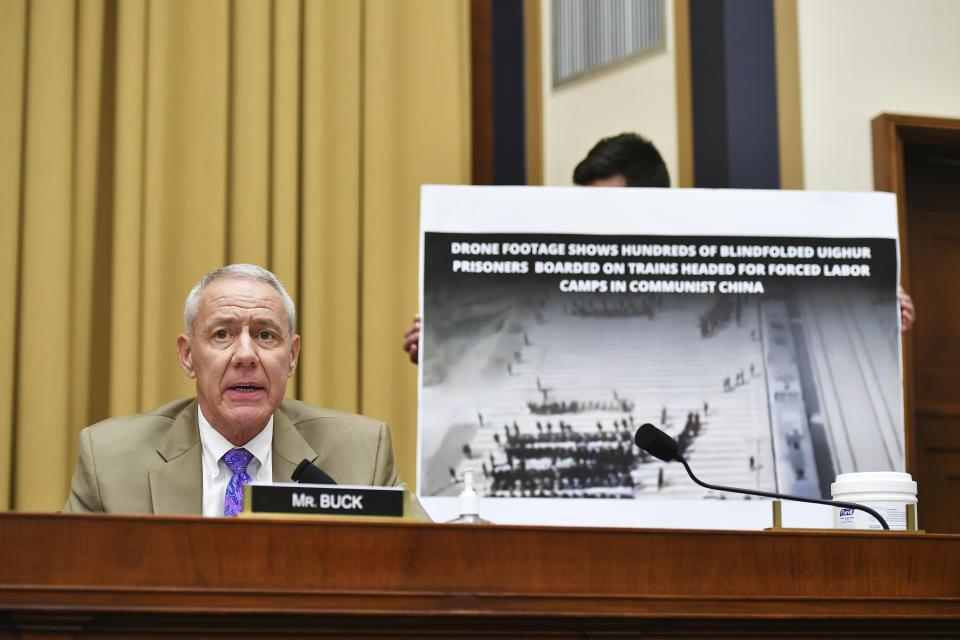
x=107, y=575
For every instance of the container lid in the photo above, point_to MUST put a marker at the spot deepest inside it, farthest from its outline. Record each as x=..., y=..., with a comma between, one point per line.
x=874, y=482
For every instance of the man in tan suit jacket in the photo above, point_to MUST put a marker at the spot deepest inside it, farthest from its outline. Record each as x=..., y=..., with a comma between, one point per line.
x=241, y=349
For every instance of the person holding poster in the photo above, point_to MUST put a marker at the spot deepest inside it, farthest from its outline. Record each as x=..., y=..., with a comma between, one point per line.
x=742, y=322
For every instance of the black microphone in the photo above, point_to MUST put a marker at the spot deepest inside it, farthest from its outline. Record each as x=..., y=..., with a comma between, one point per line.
x=307, y=473
x=660, y=445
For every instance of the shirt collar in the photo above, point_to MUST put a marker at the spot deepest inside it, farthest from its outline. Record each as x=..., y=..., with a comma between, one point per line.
x=215, y=445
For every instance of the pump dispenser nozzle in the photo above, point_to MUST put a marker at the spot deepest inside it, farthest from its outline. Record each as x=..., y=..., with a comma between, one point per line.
x=469, y=503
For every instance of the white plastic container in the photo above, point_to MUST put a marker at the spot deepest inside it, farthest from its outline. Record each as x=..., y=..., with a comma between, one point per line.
x=886, y=492
x=469, y=503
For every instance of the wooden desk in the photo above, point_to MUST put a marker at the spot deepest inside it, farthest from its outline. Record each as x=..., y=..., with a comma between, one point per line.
x=123, y=575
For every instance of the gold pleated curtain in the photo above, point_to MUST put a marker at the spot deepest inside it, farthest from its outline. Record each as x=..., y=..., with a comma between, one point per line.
x=146, y=142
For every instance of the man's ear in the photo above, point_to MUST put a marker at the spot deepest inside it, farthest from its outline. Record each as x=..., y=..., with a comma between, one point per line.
x=294, y=354
x=185, y=353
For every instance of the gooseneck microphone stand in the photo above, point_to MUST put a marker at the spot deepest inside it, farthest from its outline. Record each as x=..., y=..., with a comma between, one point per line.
x=659, y=444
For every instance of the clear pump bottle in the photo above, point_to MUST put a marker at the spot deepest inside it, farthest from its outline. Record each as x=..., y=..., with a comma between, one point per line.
x=469, y=503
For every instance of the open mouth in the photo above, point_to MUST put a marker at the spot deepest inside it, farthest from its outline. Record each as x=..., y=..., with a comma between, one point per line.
x=246, y=388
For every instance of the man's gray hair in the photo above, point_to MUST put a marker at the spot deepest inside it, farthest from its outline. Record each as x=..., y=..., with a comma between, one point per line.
x=244, y=272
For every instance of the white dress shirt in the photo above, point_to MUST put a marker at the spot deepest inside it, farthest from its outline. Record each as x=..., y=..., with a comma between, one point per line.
x=216, y=474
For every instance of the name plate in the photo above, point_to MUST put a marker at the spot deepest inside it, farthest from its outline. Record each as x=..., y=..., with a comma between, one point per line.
x=325, y=500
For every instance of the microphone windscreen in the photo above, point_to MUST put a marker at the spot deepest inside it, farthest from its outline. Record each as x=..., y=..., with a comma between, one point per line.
x=657, y=443
x=307, y=473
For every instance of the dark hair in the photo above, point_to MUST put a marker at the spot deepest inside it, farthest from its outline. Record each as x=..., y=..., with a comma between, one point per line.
x=628, y=154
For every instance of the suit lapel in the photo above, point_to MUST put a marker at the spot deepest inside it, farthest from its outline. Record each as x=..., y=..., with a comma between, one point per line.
x=176, y=485
x=289, y=448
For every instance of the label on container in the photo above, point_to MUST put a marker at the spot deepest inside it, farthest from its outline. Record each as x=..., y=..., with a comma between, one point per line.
x=894, y=513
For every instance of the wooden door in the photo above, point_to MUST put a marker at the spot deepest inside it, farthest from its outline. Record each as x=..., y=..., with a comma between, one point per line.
x=919, y=159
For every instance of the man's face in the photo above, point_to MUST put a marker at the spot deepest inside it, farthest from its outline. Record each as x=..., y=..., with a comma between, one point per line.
x=616, y=180
x=241, y=355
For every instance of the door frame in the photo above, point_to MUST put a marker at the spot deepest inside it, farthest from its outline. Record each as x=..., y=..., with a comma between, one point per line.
x=890, y=133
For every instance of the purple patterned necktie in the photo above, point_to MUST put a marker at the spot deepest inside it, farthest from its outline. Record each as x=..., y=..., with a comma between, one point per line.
x=237, y=461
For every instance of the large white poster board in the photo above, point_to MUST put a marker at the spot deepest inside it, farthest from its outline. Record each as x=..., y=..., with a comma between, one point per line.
x=758, y=328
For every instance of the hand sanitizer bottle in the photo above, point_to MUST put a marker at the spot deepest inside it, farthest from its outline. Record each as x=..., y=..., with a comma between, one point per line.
x=469, y=503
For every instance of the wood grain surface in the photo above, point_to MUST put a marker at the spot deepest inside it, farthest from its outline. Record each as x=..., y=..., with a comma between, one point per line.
x=99, y=575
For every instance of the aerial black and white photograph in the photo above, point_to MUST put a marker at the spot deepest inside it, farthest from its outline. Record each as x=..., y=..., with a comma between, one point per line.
x=539, y=392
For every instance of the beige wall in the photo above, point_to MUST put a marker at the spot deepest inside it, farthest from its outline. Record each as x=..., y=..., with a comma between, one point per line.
x=638, y=96
x=859, y=58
